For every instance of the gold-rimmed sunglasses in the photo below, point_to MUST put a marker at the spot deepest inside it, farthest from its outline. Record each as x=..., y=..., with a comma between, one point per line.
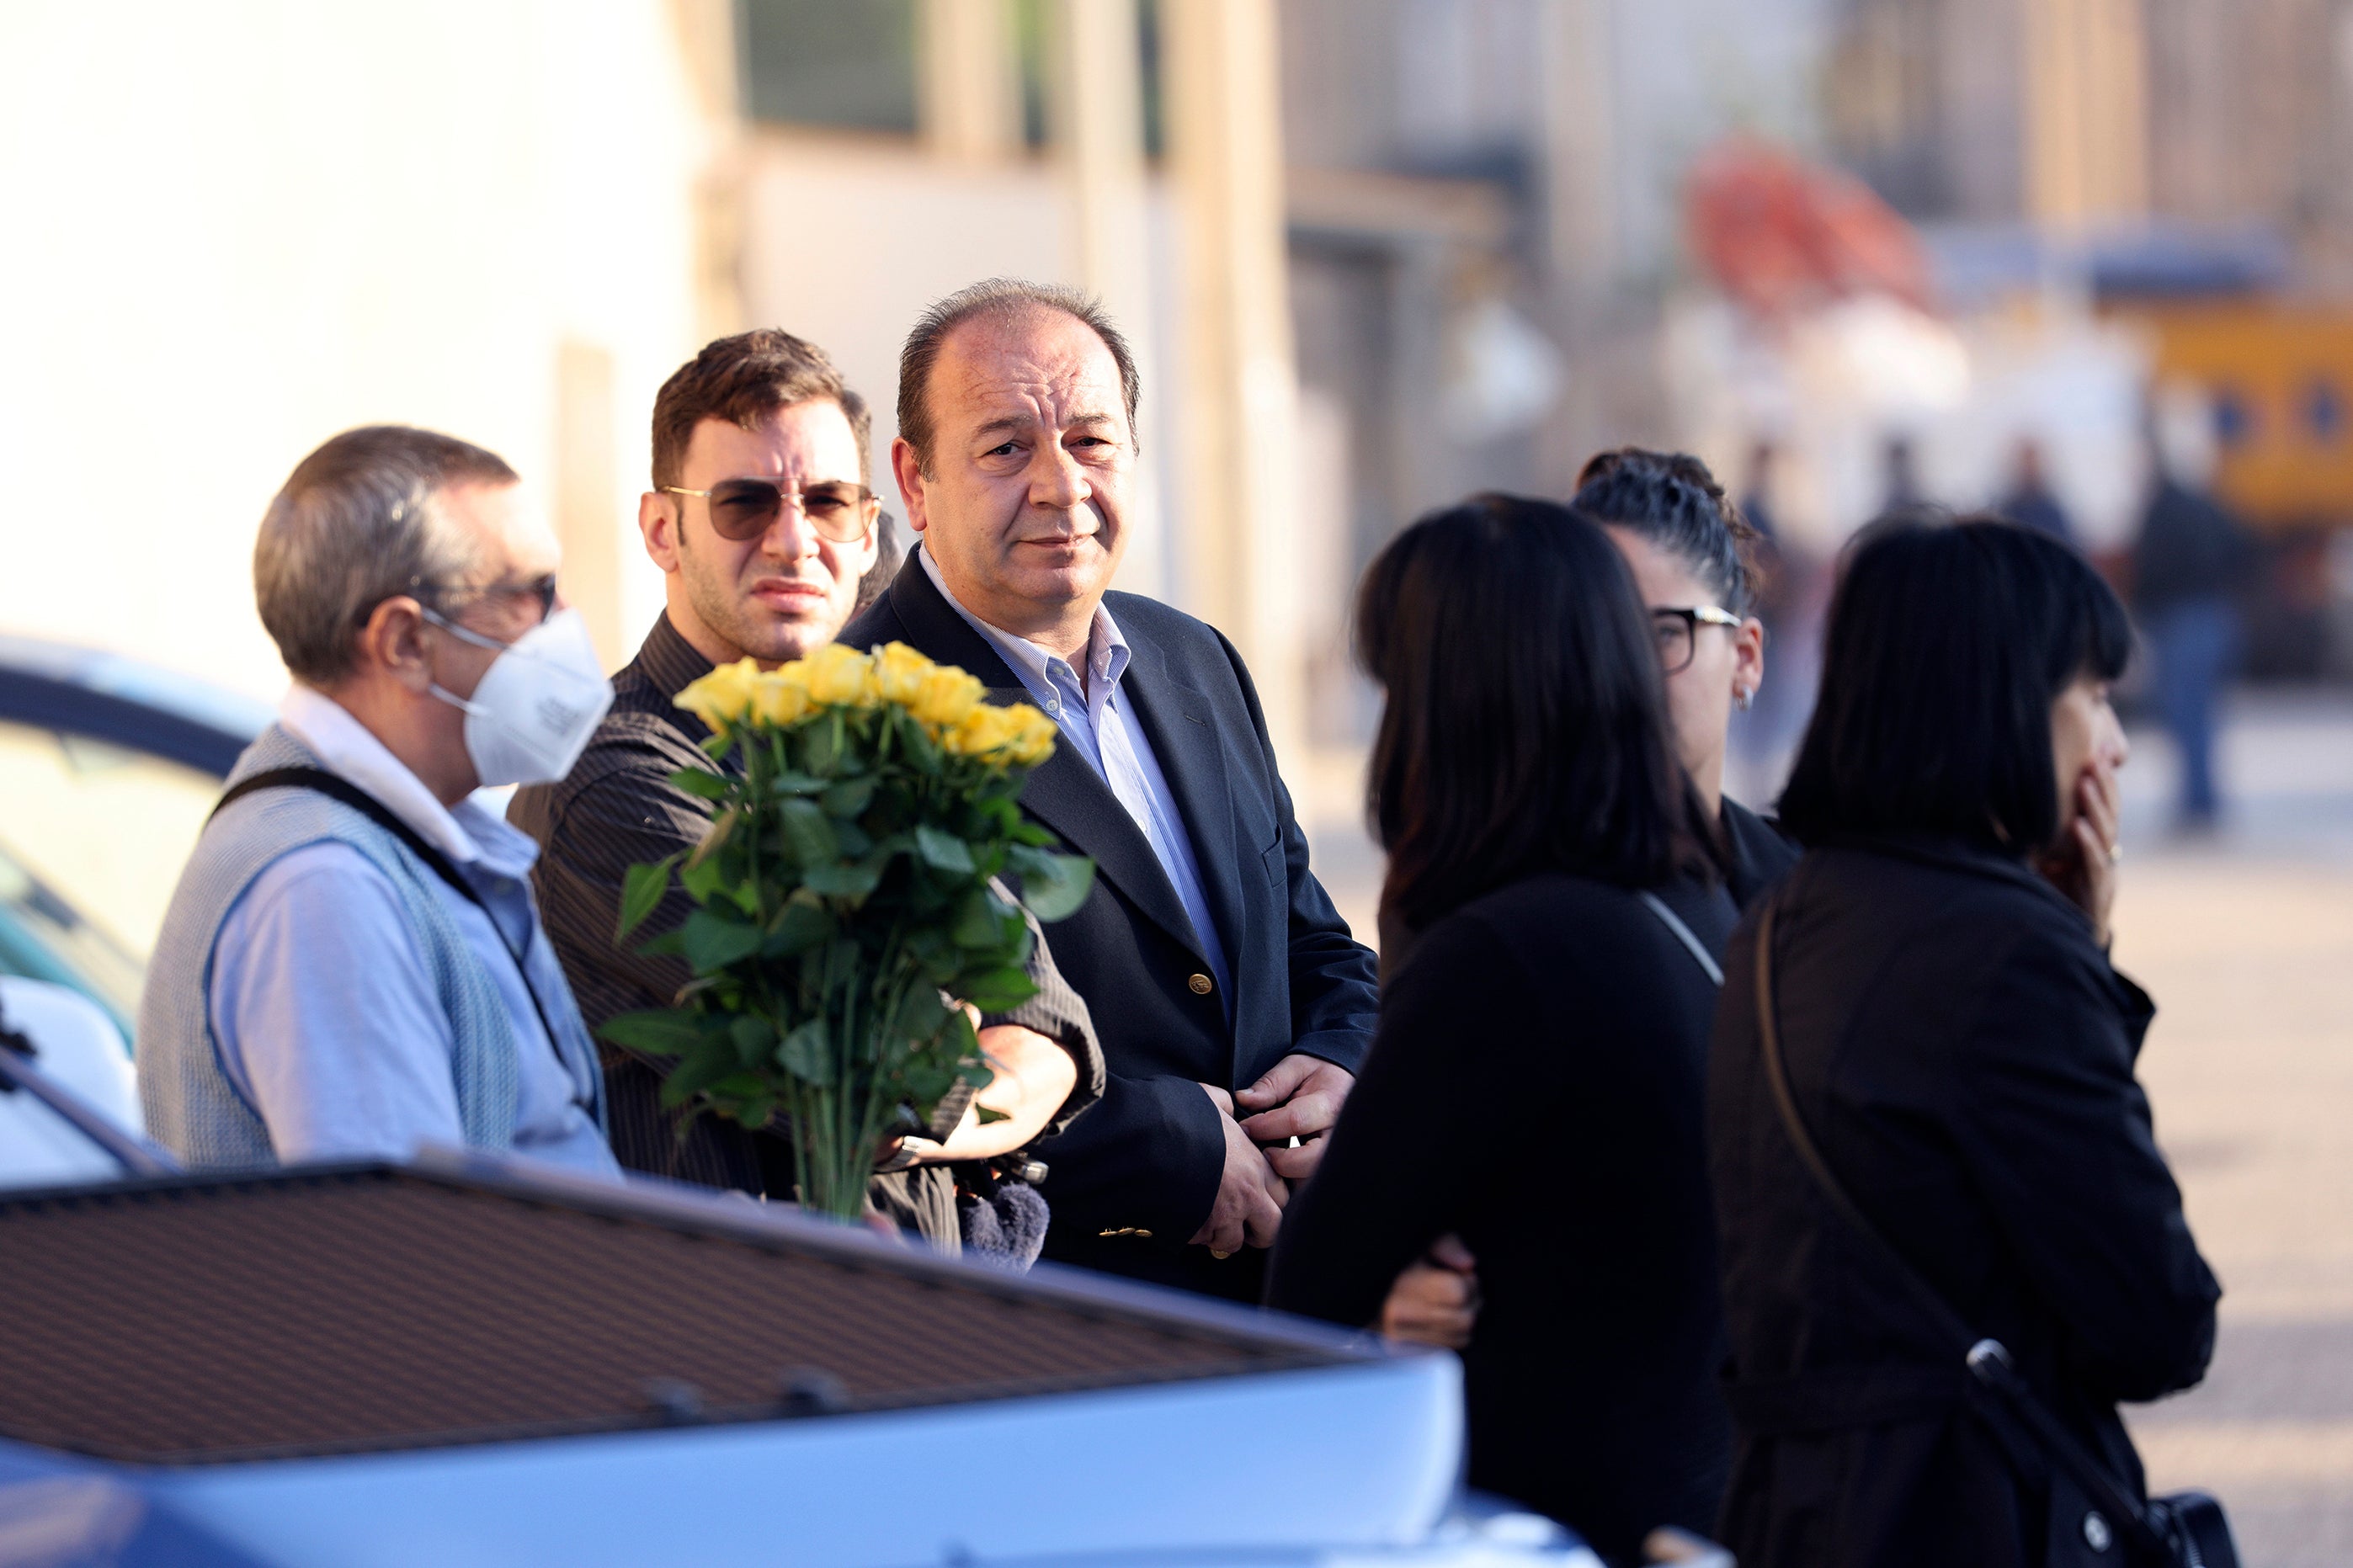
x=745, y=508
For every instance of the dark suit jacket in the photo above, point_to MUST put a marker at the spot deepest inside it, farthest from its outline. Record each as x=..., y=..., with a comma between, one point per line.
x=1963, y=1056
x=1149, y=1156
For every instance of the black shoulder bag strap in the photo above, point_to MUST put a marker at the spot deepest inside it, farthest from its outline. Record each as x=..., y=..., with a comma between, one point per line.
x=336, y=787
x=1988, y=1359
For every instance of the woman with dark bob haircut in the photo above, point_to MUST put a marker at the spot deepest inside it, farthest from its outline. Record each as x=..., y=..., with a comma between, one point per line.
x=1548, y=926
x=1947, y=1039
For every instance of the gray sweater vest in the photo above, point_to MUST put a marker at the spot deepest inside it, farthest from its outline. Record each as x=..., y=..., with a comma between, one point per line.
x=192, y=1107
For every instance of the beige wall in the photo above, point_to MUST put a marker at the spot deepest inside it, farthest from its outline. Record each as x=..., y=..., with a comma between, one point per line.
x=845, y=239
x=236, y=228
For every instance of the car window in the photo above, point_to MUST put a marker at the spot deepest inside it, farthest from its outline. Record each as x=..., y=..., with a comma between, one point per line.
x=101, y=831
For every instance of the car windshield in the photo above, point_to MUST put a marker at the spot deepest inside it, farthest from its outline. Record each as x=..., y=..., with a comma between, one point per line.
x=42, y=937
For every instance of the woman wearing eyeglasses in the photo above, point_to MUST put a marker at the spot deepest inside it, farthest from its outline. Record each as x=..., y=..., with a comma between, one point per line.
x=1547, y=925
x=1692, y=556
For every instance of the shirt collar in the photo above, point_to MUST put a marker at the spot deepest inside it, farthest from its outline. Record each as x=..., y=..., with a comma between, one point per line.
x=1107, y=650
x=466, y=834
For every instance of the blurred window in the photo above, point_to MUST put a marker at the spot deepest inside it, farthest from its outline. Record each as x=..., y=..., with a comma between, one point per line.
x=92, y=843
x=848, y=64
x=2324, y=411
x=2234, y=421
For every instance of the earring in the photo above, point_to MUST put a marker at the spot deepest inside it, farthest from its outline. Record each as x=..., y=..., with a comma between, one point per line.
x=1743, y=697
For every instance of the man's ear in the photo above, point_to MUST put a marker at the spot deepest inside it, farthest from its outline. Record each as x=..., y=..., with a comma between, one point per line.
x=392, y=642
x=658, y=524
x=909, y=472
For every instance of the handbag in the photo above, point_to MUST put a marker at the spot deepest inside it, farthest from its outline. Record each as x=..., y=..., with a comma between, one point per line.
x=2089, y=1508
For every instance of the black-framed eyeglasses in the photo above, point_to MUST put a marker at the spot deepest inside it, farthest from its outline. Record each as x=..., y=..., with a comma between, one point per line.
x=1677, y=631
x=542, y=588
x=745, y=508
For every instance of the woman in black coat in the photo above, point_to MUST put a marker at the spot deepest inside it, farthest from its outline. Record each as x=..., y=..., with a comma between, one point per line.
x=1548, y=924
x=1961, y=1054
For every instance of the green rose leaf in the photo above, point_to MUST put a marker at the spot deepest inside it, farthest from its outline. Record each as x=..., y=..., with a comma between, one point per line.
x=710, y=786
x=754, y=1037
x=807, y=1054
x=798, y=926
x=788, y=781
x=844, y=880
x=710, y=1060
x=656, y=1031
x=704, y=880
x=712, y=941
x=848, y=799
x=1053, y=886
x=997, y=990
x=642, y=887
x=980, y=921
x=943, y=850
x=808, y=833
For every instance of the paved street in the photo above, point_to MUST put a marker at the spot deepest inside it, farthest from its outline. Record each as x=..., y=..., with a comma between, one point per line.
x=2247, y=944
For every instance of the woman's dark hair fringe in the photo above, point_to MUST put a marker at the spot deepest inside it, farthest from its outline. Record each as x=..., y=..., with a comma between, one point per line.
x=1525, y=726
x=1949, y=641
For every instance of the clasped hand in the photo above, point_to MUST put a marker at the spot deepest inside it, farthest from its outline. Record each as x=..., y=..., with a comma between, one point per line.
x=1299, y=1098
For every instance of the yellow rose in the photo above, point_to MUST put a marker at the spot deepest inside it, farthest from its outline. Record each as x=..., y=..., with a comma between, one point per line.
x=946, y=696
x=839, y=676
x=780, y=698
x=984, y=731
x=1034, y=735
x=900, y=672
x=724, y=696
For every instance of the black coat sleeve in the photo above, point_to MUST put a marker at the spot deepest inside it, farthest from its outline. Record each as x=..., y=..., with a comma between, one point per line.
x=1408, y=1148
x=2058, y=1136
x=1334, y=979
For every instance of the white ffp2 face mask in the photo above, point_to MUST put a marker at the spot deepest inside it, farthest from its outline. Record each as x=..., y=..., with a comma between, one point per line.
x=532, y=712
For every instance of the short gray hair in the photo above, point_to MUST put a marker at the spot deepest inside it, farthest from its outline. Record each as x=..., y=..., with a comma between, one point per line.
x=1000, y=298
x=356, y=524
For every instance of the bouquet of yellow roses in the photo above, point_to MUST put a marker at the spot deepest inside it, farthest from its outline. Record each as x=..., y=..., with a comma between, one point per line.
x=847, y=897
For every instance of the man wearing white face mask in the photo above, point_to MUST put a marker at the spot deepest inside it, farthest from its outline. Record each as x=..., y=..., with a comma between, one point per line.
x=353, y=964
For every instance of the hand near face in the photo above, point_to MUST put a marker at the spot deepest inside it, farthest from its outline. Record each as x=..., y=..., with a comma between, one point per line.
x=1249, y=1207
x=1299, y=1098
x=2082, y=865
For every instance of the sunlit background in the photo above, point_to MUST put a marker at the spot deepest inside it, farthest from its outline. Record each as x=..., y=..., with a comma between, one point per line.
x=1375, y=254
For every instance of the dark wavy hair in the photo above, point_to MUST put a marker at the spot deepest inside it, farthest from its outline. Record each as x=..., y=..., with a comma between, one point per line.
x=1948, y=642
x=1671, y=499
x=1526, y=728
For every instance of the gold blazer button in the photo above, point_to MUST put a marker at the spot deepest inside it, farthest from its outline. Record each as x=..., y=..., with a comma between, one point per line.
x=1200, y=984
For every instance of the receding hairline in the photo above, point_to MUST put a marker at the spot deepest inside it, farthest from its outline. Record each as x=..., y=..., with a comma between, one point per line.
x=1006, y=315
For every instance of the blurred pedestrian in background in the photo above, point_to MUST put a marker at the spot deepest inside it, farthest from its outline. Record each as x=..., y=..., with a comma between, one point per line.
x=1946, y=1034
x=2030, y=503
x=2190, y=563
x=1692, y=555
x=1548, y=931
x=764, y=524
x=1899, y=472
x=352, y=963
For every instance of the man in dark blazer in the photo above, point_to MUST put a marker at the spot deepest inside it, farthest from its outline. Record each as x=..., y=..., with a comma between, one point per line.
x=1232, y=1004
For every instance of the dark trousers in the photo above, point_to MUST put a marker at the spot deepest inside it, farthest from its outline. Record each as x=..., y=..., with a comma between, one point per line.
x=2196, y=643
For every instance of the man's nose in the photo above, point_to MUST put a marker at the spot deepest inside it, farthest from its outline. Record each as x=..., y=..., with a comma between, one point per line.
x=791, y=537
x=1058, y=481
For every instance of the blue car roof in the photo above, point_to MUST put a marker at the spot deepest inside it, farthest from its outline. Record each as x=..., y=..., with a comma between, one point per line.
x=125, y=703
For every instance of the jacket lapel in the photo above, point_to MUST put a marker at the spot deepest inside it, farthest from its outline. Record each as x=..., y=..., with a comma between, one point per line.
x=1064, y=793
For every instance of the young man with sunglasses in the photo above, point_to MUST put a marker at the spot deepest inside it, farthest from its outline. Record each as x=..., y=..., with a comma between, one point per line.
x=353, y=965
x=763, y=523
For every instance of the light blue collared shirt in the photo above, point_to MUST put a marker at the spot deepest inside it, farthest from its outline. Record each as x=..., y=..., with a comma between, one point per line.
x=326, y=1019
x=1102, y=724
